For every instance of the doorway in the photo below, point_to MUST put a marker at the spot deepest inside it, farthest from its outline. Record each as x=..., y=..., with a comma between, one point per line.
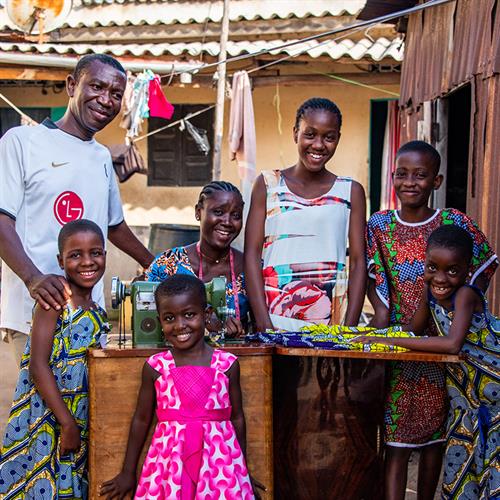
x=384, y=143
x=459, y=110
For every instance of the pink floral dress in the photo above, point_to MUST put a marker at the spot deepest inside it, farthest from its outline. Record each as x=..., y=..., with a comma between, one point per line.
x=194, y=452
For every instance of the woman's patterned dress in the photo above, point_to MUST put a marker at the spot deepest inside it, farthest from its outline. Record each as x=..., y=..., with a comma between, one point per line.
x=30, y=464
x=194, y=451
x=304, y=254
x=471, y=465
x=416, y=405
x=176, y=261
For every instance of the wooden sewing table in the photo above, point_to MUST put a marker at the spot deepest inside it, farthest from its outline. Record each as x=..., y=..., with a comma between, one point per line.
x=314, y=417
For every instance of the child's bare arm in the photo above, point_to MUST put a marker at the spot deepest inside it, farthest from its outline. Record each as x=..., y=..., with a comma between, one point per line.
x=381, y=317
x=357, y=263
x=126, y=480
x=254, y=240
x=42, y=340
x=466, y=302
x=237, y=415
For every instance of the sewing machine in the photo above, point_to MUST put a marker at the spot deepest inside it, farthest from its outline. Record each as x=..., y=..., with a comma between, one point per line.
x=146, y=328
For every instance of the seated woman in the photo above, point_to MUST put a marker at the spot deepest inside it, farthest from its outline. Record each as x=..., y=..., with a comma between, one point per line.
x=220, y=212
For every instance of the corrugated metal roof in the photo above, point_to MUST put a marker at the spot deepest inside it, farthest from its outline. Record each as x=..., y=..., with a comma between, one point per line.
x=94, y=13
x=299, y=8
x=377, y=50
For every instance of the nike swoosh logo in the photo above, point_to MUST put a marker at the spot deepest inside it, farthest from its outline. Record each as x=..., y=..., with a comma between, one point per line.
x=55, y=165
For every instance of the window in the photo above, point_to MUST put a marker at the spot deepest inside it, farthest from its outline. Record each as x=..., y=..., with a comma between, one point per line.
x=173, y=156
x=10, y=118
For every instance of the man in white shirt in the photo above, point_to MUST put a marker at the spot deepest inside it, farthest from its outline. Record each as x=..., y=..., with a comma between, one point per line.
x=51, y=174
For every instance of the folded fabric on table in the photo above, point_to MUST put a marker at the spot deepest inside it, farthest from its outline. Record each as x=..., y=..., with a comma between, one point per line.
x=335, y=337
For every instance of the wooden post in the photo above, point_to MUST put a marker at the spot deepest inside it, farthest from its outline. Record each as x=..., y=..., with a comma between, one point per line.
x=221, y=89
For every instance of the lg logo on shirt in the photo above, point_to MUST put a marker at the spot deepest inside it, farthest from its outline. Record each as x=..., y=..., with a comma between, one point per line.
x=67, y=207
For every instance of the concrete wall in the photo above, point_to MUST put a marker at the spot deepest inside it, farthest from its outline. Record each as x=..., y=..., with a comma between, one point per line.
x=274, y=149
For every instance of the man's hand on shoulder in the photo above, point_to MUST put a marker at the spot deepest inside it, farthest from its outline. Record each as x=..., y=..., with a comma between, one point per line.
x=49, y=290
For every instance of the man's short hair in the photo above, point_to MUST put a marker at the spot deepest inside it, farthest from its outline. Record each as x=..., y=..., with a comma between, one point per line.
x=85, y=61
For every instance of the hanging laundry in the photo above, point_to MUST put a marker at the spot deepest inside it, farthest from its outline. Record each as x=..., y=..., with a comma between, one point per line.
x=388, y=200
x=198, y=134
x=139, y=102
x=127, y=102
x=157, y=102
x=242, y=140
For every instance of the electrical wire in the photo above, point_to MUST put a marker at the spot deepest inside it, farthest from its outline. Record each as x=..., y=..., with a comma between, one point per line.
x=360, y=24
x=354, y=82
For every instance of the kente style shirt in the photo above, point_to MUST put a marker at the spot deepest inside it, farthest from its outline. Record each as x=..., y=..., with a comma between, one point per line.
x=396, y=257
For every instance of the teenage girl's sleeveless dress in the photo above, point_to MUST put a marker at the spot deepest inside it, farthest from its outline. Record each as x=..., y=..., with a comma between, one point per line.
x=194, y=451
x=304, y=253
x=472, y=458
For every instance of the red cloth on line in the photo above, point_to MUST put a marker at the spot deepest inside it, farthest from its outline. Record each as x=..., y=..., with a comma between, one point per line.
x=157, y=102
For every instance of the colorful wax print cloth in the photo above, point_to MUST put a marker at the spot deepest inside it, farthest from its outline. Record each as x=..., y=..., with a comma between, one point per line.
x=176, y=261
x=304, y=253
x=471, y=465
x=335, y=338
x=416, y=406
x=194, y=451
x=30, y=464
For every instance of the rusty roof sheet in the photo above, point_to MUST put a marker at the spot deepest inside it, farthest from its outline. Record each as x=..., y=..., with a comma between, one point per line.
x=447, y=46
x=376, y=50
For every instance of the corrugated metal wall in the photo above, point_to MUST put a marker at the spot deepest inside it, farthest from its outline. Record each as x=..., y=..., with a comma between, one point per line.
x=448, y=46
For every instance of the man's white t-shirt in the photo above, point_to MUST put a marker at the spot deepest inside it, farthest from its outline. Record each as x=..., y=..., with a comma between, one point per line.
x=48, y=178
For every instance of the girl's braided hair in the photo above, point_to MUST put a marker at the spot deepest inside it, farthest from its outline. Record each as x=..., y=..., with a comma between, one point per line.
x=217, y=186
x=316, y=103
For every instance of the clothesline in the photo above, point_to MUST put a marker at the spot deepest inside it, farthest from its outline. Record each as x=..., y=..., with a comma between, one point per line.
x=177, y=122
x=354, y=82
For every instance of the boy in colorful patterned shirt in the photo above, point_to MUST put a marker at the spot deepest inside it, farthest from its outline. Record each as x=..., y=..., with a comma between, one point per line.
x=416, y=404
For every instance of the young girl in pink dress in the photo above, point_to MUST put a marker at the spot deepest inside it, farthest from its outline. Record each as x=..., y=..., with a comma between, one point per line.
x=198, y=447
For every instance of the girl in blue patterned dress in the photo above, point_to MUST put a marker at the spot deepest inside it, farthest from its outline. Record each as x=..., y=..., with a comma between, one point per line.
x=44, y=451
x=220, y=212
x=460, y=313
